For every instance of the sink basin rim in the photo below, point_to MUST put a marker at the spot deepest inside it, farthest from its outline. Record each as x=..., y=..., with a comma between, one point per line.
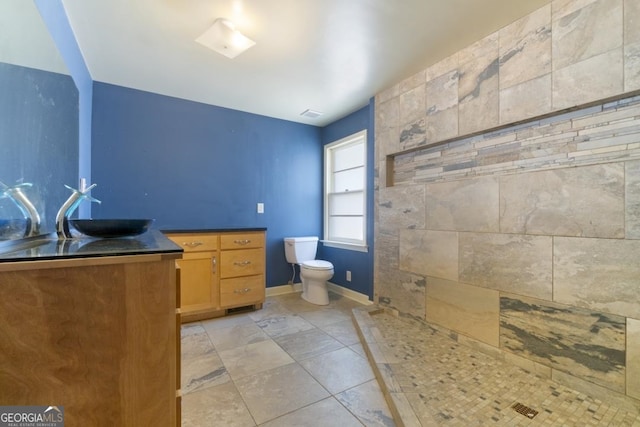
x=111, y=228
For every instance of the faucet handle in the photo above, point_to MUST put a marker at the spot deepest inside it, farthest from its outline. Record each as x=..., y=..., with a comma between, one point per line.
x=84, y=193
x=81, y=191
x=87, y=189
x=92, y=199
x=6, y=191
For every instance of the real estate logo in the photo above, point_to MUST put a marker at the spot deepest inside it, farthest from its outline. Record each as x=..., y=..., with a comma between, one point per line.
x=31, y=416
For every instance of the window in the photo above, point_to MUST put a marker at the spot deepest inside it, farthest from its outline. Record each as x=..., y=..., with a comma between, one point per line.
x=346, y=192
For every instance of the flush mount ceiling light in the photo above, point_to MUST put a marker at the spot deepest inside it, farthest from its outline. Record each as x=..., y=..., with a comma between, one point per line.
x=223, y=38
x=311, y=114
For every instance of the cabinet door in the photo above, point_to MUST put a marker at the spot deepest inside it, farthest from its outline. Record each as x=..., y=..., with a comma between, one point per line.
x=198, y=280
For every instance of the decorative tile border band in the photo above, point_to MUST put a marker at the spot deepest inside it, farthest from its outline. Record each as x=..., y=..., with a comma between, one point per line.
x=592, y=133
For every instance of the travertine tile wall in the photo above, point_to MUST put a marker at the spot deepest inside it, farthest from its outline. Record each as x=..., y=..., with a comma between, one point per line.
x=524, y=239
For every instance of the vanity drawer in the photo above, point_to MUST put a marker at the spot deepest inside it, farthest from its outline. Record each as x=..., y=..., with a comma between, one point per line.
x=242, y=240
x=244, y=262
x=241, y=290
x=195, y=242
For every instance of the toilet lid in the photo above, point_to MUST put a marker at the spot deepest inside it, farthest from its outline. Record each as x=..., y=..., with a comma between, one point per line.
x=317, y=264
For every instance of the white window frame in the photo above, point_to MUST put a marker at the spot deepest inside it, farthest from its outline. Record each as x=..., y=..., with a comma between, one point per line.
x=351, y=244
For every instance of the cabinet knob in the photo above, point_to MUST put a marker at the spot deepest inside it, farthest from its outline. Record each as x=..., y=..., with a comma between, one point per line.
x=242, y=242
x=241, y=291
x=242, y=263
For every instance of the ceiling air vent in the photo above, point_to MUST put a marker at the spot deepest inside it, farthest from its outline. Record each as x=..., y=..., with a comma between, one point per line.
x=311, y=114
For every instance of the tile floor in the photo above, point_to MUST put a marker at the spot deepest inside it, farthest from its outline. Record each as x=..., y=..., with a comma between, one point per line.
x=290, y=364
x=296, y=364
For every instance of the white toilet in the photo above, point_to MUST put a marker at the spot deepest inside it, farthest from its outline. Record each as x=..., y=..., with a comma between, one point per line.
x=314, y=273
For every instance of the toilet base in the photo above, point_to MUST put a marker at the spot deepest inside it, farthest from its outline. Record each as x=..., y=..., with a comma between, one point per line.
x=315, y=293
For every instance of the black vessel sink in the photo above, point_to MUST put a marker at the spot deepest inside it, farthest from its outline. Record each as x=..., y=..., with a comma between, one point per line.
x=109, y=228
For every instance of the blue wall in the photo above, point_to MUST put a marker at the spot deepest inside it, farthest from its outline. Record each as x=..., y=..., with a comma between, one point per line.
x=55, y=18
x=192, y=165
x=359, y=263
x=38, y=111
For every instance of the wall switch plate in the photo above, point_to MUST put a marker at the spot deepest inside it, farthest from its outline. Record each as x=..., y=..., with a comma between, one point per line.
x=348, y=276
x=260, y=207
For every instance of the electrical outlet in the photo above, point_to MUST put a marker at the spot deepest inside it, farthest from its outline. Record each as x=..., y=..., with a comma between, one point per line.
x=348, y=275
x=260, y=207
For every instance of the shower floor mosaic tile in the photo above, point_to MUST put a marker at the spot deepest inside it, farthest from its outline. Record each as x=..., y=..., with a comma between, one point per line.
x=433, y=380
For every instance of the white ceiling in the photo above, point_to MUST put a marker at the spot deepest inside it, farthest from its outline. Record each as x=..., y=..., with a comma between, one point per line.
x=326, y=55
x=25, y=40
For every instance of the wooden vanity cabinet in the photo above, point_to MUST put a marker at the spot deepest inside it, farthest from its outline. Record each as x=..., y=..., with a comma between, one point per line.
x=220, y=271
x=98, y=336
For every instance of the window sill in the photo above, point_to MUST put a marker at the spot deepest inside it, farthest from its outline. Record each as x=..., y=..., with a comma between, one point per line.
x=348, y=246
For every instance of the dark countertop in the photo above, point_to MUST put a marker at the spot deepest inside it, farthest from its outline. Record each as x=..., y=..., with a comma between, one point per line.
x=214, y=230
x=48, y=247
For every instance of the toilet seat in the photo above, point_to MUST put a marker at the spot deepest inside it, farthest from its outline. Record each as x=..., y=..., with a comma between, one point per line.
x=317, y=264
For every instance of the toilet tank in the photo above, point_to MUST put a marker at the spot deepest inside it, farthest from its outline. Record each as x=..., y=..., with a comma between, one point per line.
x=300, y=249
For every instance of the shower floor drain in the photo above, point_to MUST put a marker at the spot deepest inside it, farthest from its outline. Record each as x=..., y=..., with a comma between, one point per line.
x=524, y=410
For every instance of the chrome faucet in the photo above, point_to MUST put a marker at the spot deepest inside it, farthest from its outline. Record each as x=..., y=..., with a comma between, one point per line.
x=24, y=204
x=77, y=197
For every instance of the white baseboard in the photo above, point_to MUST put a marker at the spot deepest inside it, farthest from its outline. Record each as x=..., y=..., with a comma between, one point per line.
x=348, y=293
x=297, y=287
x=284, y=289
